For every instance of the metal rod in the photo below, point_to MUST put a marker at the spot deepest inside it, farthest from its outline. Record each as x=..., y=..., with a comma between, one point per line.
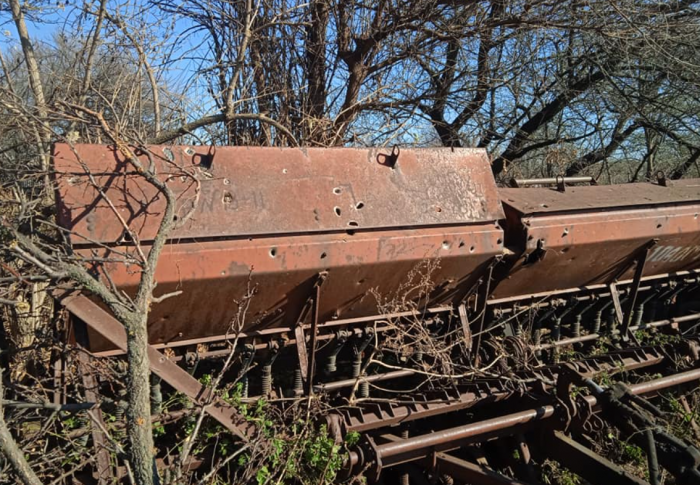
x=415, y=448
x=334, y=386
x=595, y=336
x=551, y=181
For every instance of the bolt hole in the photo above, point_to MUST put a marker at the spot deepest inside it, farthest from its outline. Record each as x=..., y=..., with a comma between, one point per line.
x=227, y=182
x=499, y=241
x=350, y=232
x=126, y=237
x=337, y=211
x=284, y=170
x=337, y=190
x=273, y=252
x=323, y=255
x=438, y=209
x=445, y=245
x=359, y=205
x=658, y=226
x=461, y=244
x=472, y=249
x=353, y=224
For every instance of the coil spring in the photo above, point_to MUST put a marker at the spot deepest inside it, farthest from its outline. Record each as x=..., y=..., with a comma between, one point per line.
x=266, y=379
x=119, y=413
x=331, y=364
x=597, y=321
x=577, y=326
x=156, y=395
x=245, y=384
x=556, y=329
x=356, y=366
x=298, y=383
x=639, y=314
x=363, y=389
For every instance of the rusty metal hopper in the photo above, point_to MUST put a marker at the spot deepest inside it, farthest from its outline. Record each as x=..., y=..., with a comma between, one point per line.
x=592, y=234
x=275, y=219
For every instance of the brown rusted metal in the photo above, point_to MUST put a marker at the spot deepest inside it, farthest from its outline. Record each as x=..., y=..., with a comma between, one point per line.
x=275, y=218
x=106, y=325
x=103, y=470
x=461, y=470
x=584, y=236
x=417, y=447
x=405, y=409
x=467, y=472
x=584, y=462
x=258, y=191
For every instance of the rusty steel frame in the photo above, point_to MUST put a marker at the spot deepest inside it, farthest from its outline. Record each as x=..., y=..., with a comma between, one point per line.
x=471, y=473
x=103, y=469
x=417, y=447
x=462, y=470
x=106, y=325
x=585, y=462
x=372, y=416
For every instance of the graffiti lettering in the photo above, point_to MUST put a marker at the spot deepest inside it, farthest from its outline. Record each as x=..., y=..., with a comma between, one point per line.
x=673, y=254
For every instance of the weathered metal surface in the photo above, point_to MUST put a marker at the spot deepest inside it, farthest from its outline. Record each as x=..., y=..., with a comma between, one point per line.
x=418, y=447
x=481, y=392
x=467, y=472
x=360, y=268
x=585, y=198
x=109, y=328
x=585, y=237
x=584, y=462
x=251, y=191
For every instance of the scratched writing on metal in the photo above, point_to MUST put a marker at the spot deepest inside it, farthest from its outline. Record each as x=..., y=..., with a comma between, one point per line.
x=673, y=254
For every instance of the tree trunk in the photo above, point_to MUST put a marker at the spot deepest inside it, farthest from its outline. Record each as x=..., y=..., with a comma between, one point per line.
x=12, y=453
x=138, y=414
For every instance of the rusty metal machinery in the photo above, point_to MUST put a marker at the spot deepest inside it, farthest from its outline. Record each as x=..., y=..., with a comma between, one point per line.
x=530, y=289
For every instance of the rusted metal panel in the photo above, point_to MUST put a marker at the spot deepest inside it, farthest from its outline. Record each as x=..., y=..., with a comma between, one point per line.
x=575, y=199
x=361, y=268
x=252, y=191
x=575, y=243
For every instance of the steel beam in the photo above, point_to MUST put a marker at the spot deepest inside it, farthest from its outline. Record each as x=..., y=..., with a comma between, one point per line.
x=108, y=327
x=467, y=472
x=584, y=462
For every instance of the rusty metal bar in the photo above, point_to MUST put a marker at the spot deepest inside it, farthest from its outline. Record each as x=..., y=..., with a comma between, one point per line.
x=655, y=279
x=376, y=415
x=462, y=470
x=107, y=326
x=634, y=288
x=467, y=472
x=584, y=462
x=411, y=449
x=99, y=440
x=633, y=328
x=550, y=181
x=314, y=333
x=334, y=386
x=279, y=331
